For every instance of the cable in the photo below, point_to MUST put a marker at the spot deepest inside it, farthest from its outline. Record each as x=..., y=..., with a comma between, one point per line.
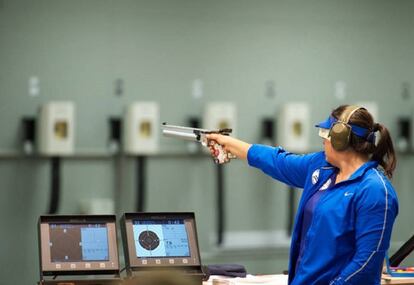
x=55, y=185
x=220, y=204
x=291, y=209
x=141, y=183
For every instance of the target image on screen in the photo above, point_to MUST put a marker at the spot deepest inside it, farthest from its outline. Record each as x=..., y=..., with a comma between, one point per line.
x=78, y=242
x=162, y=238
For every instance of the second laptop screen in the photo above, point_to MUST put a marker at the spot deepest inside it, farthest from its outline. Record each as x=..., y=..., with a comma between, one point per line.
x=160, y=238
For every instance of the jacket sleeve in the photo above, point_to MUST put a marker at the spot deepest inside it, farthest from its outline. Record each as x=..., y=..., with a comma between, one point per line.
x=286, y=167
x=376, y=210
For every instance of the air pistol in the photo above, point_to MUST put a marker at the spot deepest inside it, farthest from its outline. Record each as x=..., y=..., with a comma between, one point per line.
x=199, y=135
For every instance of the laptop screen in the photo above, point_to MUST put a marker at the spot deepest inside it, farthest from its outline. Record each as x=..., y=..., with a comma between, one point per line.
x=160, y=239
x=78, y=243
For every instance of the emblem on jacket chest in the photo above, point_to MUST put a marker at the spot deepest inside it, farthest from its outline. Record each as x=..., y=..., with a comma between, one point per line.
x=315, y=176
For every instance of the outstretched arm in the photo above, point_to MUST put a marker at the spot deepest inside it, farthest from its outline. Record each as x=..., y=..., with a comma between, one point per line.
x=286, y=167
x=234, y=146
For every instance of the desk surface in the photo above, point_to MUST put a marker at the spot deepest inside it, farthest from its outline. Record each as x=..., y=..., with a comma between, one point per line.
x=386, y=279
x=280, y=279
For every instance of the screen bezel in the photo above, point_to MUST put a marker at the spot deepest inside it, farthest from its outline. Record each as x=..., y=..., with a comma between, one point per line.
x=132, y=261
x=108, y=266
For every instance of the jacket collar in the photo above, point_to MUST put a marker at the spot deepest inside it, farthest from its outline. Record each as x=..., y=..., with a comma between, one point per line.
x=358, y=173
x=363, y=168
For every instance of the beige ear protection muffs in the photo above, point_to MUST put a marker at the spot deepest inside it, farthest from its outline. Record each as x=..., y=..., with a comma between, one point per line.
x=340, y=132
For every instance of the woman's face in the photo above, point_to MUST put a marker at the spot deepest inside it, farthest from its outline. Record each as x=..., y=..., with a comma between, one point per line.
x=330, y=152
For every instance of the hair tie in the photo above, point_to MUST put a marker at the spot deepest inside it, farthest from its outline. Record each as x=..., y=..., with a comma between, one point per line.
x=371, y=136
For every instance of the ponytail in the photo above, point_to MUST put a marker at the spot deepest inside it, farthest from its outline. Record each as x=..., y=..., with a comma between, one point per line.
x=384, y=150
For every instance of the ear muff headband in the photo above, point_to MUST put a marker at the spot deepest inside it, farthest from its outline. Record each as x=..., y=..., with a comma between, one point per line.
x=340, y=131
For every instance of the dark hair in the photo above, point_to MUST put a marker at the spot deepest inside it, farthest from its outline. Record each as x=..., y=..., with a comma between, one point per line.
x=383, y=150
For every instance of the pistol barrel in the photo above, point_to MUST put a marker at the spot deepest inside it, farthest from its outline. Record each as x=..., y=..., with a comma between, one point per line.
x=180, y=135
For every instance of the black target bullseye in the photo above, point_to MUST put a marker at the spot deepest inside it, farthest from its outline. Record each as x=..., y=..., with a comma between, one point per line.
x=149, y=240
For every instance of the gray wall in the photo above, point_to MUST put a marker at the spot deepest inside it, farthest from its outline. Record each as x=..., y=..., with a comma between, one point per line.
x=79, y=48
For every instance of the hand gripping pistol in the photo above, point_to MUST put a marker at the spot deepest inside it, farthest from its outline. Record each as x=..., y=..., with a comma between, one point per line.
x=199, y=135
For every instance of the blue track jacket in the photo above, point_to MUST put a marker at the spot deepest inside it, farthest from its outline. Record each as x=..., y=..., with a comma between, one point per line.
x=352, y=223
